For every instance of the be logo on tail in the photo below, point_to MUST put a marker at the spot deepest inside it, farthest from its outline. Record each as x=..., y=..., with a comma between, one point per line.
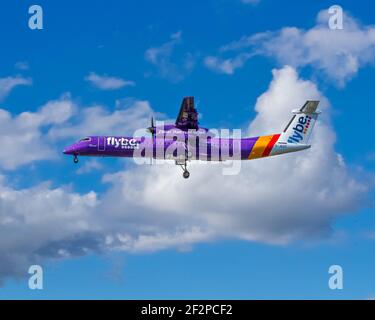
x=300, y=129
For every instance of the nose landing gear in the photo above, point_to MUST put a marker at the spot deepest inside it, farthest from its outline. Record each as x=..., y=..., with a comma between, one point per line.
x=186, y=174
x=75, y=159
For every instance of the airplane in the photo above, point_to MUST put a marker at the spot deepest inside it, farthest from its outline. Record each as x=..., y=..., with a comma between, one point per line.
x=185, y=140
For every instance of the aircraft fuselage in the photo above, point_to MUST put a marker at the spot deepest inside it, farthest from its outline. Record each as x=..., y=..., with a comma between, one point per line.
x=212, y=149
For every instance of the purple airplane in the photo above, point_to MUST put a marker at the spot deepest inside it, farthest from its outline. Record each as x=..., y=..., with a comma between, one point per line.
x=185, y=140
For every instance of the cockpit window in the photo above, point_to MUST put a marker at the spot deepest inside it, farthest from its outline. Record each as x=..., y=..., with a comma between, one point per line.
x=85, y=139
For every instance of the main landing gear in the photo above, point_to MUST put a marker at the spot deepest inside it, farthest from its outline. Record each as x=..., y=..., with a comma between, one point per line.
x=75, y=159
x=183, y=165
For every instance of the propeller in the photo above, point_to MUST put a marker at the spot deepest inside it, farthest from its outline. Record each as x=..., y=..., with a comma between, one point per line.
x=152, y=130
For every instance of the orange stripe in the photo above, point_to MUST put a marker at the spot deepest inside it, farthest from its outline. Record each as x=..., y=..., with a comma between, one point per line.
x=268, y=149
x=260, y=146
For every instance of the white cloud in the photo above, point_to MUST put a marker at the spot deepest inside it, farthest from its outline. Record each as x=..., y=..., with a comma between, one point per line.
x=9, y=83
x=338, y=54
x=253, y=2
x=41, y=135
x=162, y=57
x=316, y=183
x=226, y=66
x=105, y=82
x=369, y=235
x=21, y=136
x=146, y=208
x=32, y=220
x=273, y=200
x=156, y=55
x=22, y=65
x=130, y=115
x=89, y=166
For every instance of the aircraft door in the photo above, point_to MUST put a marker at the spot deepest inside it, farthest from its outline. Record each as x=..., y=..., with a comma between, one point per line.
x=101, y=143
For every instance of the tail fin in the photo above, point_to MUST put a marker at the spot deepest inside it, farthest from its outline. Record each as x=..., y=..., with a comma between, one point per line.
x=302, y=123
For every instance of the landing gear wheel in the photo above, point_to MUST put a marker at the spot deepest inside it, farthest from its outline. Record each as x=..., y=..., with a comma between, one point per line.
x=75, y=159
x=186, y=173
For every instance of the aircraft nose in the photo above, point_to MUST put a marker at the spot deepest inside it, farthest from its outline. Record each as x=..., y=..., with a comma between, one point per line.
x=69, y=150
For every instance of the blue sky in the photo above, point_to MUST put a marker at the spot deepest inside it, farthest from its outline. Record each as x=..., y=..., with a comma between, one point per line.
x=150, y=54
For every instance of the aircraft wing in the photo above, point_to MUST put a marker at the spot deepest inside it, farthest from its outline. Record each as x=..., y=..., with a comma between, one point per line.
x=188, y=115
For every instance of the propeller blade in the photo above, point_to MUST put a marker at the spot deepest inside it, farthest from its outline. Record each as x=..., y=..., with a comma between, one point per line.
x=152, y=128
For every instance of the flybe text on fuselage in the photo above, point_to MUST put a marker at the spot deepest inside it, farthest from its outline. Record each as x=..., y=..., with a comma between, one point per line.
x=123, y=143
x=300, y=129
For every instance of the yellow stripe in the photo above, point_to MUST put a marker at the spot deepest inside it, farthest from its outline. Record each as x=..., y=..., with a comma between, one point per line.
x=259, y=147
